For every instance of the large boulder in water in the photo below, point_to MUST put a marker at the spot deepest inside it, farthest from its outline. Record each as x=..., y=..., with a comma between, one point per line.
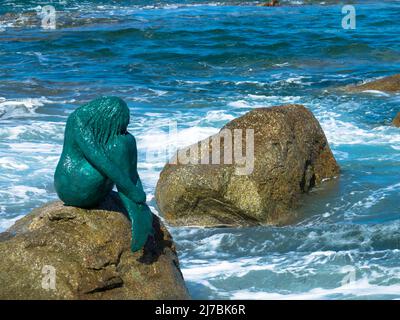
x=396, y=120
x=387, y=84
x=291, y=156
x=60, y=252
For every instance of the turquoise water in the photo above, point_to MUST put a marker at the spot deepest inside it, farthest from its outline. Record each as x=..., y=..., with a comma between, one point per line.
x=201, y=64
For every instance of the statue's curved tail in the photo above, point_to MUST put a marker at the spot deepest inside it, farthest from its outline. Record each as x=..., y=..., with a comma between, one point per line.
x=142, y=222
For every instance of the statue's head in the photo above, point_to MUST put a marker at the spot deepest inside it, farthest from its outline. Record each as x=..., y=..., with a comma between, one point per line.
x=106, y=117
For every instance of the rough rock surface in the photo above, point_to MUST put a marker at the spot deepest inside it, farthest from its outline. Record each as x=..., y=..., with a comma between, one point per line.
x=90, y=253
x=291, y=155
x=396, y=120
x=388, y=84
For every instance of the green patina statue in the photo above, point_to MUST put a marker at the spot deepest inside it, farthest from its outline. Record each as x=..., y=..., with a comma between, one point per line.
x=99, y=153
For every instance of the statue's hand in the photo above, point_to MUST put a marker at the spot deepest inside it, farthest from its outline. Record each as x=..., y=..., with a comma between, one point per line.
x=142, y=227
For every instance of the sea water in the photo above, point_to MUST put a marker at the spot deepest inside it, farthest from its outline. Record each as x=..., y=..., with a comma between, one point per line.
x=198, y=65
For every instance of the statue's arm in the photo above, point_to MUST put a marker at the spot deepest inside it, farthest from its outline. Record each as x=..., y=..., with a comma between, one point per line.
x=137, y=177
x=139, y=183
x=96, y=155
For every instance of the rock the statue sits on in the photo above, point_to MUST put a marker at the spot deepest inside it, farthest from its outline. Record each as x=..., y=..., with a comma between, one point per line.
x=69, y=253
x=99, y=153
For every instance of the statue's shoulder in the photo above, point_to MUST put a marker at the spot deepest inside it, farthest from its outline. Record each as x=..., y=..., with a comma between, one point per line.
x=73, y=124
x=131, y=138
x=75, y=115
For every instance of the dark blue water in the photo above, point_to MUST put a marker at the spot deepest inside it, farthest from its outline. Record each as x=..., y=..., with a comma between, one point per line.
x=201, y=64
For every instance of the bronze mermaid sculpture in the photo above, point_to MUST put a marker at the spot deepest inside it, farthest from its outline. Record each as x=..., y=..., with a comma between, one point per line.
x=99, y=153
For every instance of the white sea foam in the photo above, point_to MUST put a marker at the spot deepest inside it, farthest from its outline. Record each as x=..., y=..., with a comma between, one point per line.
x=21, y=193
x=375, y=197
x=33, y=130
x=340, y=155
x=340, y=132
x=240, y=104
x=21, y=107
x=223, y=269
x=257, y=97
x=159, y=144
x=212, y=269
x=285, y=64
x=377, y=93
x=361, y=288
x=252, y=82
x=262, y=101
x=369, y=276
x=193, y=82
x=11, y=132
x=218, y=115
x=12, y=164
x=5, y=223
x=294, y=80
x=153, y=114
x=156, y=139
x=30, y=147
x=158, y=92
x=120, y=10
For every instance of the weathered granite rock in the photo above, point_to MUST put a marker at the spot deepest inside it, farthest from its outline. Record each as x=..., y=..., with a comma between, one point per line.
x=396, y=120
x=291, y=155
x=388, y=84
x=90, y=253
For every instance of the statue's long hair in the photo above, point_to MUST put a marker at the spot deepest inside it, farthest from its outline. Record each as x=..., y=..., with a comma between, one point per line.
x=105, y=117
